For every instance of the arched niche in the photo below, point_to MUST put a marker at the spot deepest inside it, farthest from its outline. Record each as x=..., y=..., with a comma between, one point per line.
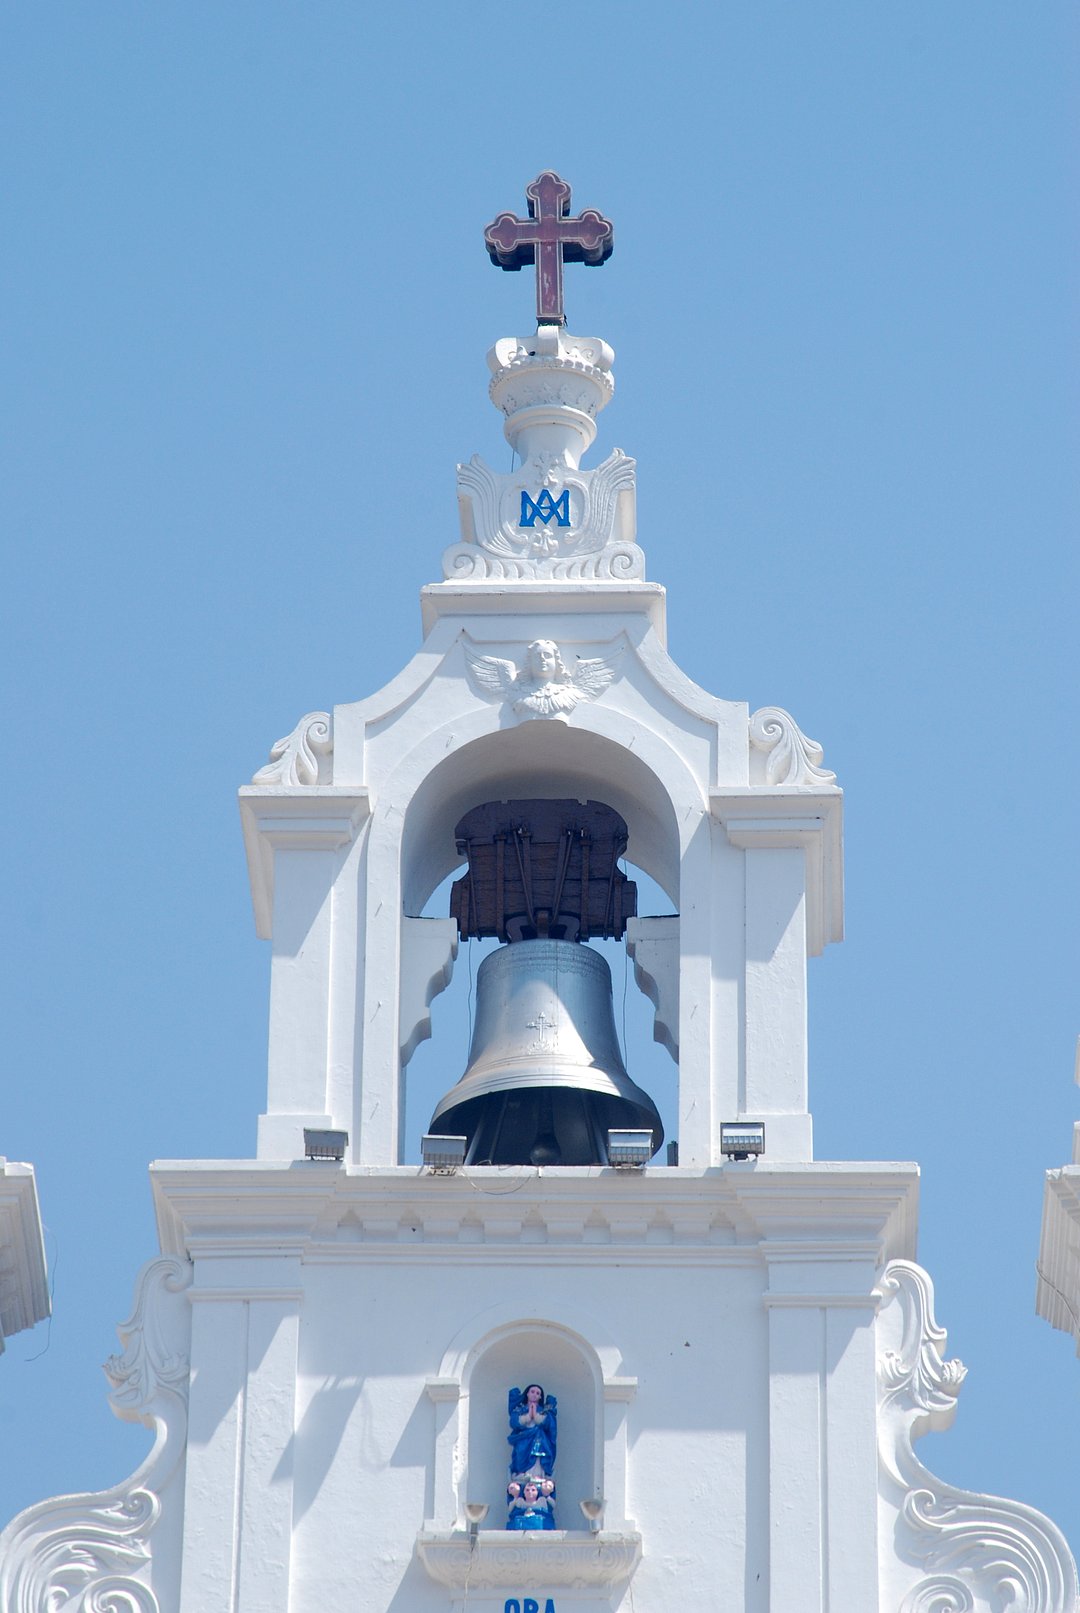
x=534, y=1352
x=572, y=1353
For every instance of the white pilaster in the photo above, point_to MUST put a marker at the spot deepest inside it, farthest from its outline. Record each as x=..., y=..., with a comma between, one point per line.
x=821, y=1304
x=774, y=1070
x=797, y=1522
x=618, y=1395
x=238, y=1492
x=445, y=1394
x=296, y=839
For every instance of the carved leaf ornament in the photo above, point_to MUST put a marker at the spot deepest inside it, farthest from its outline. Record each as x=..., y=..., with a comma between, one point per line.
x=976, y=1553
x=790, y=757
x=297, y=758
x=91, y=1553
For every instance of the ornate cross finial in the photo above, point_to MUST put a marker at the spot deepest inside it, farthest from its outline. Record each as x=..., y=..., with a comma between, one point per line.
x=549, y=237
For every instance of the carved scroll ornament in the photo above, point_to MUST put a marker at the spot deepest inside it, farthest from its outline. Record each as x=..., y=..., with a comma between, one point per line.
x=302, y=757
x=969, y=1553
x=789, y=756
x=91, y=1553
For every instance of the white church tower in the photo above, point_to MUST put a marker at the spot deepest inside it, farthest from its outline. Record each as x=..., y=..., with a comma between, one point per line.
x=563, y=1366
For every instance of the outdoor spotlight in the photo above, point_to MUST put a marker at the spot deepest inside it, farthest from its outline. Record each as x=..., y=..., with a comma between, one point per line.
x=629, y=1150
x=325, y=1144
x=476, y=1512
x=443, y=1155
x=592, y=1511
x=741, y=1139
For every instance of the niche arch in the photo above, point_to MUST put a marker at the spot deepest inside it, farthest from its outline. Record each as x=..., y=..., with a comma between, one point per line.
x=471, y=1450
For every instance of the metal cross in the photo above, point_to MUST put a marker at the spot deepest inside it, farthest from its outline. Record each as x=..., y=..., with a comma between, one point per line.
x=549, y=237
x=543, y=1024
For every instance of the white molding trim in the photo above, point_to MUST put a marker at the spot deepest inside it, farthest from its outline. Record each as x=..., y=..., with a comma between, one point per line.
x=781, y=817
x=24, y=1282
x=321, y=817
x=560, y=1558
x=1057, y=1294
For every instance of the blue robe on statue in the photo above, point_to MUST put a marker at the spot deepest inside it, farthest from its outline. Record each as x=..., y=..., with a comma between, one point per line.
x=538, y=1514
x=532, y=1444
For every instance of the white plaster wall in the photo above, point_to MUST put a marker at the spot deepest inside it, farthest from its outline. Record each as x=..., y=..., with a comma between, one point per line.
x=697, y=1428
x=714, y=1365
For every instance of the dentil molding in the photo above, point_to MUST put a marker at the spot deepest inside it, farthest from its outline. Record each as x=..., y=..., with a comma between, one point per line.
x=963, y=1552
x=91, y=1553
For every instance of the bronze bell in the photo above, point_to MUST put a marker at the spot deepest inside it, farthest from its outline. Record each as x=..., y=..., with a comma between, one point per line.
x=545, y=1080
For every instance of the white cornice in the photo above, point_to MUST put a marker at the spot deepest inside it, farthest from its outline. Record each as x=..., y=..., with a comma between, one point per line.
x=300, y=817
x=770, y=817
x=449, y=599
x=1057, y=1295
x=24, y=1288
x=827, y=1220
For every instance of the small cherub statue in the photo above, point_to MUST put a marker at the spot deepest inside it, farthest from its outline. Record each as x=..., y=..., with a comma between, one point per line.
x=531, y=1504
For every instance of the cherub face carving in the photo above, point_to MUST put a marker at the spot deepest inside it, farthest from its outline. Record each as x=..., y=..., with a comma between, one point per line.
x=543, y=661
x=543, y=686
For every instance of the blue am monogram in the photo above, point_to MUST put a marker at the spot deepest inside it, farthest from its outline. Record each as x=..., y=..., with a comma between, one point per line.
x=545, y=507
x=528, y=1604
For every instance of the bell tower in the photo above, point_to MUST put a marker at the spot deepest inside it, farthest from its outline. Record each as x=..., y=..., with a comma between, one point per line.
x=714, y=1359
x=543, y=700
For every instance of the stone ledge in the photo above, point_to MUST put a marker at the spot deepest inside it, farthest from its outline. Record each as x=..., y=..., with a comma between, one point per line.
x=552, y=1559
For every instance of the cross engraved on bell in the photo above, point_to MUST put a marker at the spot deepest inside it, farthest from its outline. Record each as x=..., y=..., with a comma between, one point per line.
x=547, y=1039
x=548, y=238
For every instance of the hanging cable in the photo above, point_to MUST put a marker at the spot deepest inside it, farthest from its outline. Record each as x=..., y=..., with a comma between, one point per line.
x=470, y=990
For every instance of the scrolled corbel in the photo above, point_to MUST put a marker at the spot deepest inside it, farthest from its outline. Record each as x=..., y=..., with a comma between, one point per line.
x=302, y=757
x=790, y=757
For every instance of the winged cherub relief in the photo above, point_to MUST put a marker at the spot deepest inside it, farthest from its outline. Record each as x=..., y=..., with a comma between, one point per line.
x=543, y=686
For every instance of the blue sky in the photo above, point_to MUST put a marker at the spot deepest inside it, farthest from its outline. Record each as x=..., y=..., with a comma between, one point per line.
x=246, y=305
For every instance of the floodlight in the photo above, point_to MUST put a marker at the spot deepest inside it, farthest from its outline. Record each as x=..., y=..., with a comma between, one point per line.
x=629, y=1150
x=743, y=1138
x=443, y=1155
x=325, y=1144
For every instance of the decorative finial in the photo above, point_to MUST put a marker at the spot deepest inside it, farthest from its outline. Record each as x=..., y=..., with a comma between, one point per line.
x=549, y=237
